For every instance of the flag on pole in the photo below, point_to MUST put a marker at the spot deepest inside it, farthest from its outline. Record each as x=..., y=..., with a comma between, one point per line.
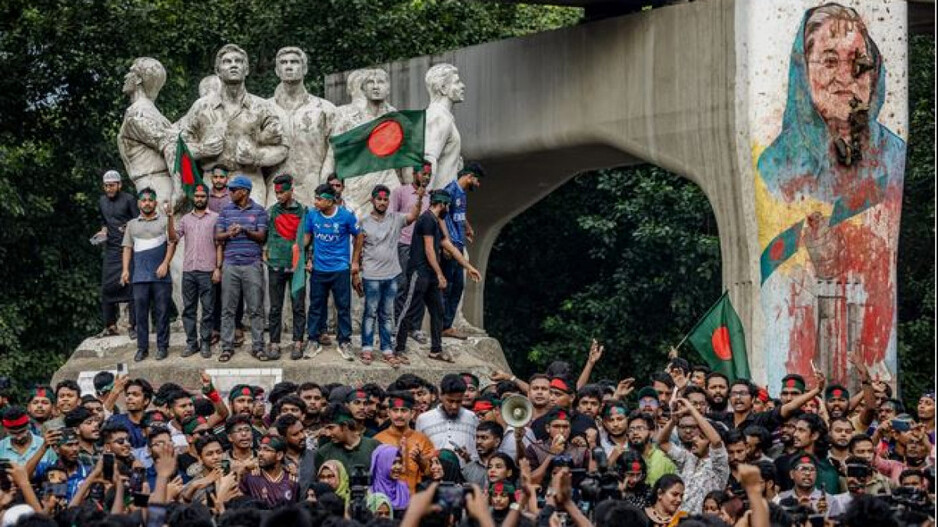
x=186, y=168
x=394, y=140
x=299, y=260
x=721, y=341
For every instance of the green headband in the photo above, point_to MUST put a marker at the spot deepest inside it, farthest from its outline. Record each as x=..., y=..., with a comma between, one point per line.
x=440, y=198
x=283, y=187
x=143, y=193
x=326, y=195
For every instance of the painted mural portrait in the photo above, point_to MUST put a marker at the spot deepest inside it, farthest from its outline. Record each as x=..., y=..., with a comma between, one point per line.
x=828, y=204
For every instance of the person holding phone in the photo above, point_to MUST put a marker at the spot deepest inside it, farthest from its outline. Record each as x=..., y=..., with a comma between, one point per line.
x=66, y=449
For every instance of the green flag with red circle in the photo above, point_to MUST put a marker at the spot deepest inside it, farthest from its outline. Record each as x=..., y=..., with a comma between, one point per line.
x=721, y=341
x=394, y=140
x=186, y=168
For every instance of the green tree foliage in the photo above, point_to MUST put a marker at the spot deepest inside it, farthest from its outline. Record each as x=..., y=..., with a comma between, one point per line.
x=61, y=107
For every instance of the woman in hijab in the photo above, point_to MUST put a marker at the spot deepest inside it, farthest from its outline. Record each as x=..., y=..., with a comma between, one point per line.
x=333, y=473
x=380, y=505
x=444, y=466
x=386, y=469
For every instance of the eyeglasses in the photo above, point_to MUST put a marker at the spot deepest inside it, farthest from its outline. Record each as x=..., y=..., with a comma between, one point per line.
x=638, y=429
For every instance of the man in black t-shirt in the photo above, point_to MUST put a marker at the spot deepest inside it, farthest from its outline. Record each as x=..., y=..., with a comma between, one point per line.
x=425, y=280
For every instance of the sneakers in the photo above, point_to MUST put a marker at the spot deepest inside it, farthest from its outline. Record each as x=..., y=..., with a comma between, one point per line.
x=162, y=353
x=273, y=353
x=189, y=351
x=141, y=355
x=313, y=349
x=345, y=350
x=419, y=336
x=206, y=351
x=132, y=333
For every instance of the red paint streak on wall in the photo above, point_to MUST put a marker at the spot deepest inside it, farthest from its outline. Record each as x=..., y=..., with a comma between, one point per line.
x=803, y=337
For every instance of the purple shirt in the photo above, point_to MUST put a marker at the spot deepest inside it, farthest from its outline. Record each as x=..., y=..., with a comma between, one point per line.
x=241, y=250
x=402, y=200
x=199, y=234
x=218, y=202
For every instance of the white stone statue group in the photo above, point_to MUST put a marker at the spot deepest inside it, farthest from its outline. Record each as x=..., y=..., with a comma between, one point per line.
x=288, y=133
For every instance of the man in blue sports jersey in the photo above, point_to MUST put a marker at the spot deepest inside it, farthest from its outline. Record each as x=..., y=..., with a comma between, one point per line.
x=329, y=229
x=460, y=234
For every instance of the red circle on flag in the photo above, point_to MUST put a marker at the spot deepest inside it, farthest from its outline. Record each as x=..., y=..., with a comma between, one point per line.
x=777, y=250
x=720, y=340
x=386, y=138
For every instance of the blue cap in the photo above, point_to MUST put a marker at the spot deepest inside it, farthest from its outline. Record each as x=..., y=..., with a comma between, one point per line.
x=240, y=182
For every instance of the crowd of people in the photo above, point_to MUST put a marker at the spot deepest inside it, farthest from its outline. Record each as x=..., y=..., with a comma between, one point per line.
x=687, y=447
x=234, y=249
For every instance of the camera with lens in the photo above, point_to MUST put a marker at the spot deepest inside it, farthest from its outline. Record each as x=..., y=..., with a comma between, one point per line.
x=451, y=498
x=359, y=481
x=602, y=484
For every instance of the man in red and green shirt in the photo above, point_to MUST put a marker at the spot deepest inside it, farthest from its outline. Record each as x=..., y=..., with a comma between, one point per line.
x=284, y=220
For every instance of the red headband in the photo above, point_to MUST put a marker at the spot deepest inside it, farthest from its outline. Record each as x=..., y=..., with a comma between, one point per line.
x=482, y=406
x=636, y=466
x=22, y=420
x=560, y=385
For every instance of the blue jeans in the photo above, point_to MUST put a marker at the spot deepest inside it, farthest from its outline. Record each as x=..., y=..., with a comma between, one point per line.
x=379, y=305
x=157, y=295
x=455, y=281
x=320, y=284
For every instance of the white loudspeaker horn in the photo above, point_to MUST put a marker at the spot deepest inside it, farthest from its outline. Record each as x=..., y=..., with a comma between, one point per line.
x=517, y=410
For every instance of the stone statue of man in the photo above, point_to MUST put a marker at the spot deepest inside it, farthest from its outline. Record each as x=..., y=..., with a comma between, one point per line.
x=370, y=89
x=306, y=121
x=443, y=144
x=146, y=137
x=233, y=128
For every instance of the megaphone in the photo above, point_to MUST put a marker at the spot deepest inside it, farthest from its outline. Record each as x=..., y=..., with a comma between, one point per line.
x=517, y=410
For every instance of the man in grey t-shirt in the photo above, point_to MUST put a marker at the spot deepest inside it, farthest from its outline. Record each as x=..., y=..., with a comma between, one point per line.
x=375, y=268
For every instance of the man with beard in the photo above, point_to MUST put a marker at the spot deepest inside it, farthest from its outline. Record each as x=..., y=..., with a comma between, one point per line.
x=810, y=436
x=841, y=430
x=87, y=429
x=657, y=463
x=450, y=426
x=218, y=199
x=793, y=385
x=736, y=450
x=403, y=199
x=299, y=461
x=180, y=406
x=488, y=438
x=718, y=386
x=65, y=458
x=67, y=398
x=20, y=444
x=460, y=234
x=150, y=246
x=117, y=441
x=357, y=403
x=698, y=376
x=40, y=405
x=346, y=445
x=613, y=437
x=314, y=397
x=116, y=209
x=201, y=269
x=374, y=421
x=556, y=446
x=589, y=400
x=861, y=446
x=416, y=448
x=539, y=394
x=284, y=218
x=274, y=485
x=425, y=278
x=758, y=442
x=376, y=276
x=705, y=467
x=804, y=489
x=742, y=395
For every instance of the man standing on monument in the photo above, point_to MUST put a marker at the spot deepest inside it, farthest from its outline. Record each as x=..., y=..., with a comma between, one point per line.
x=402, y=200
x=306, y=121
x=201, y=270
x=328, y=229
x=242, y=228
x=149, y=245
x=460, y=233
x=284, y=219
x=234, y=128
x=443, y=143
x=218, y=199
x=116, y=208
x=146, y=136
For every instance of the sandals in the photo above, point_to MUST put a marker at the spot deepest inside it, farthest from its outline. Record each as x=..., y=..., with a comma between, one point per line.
x=390, y=360
x=225, y=355
x=402, y=359
x=366, y=357
x=441, y=356
x=109, y=331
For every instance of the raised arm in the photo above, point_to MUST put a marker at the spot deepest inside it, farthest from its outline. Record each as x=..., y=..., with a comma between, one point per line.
x=792, y=406
x=596, y=353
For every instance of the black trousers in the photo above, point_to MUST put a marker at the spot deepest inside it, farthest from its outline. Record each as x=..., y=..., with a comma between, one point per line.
x=422, y=291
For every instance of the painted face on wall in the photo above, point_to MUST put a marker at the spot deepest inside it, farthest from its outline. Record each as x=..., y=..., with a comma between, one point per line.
x=835, y=62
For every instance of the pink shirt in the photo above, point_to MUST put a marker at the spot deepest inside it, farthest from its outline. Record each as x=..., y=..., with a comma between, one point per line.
x=198, y=233
x=402, y=200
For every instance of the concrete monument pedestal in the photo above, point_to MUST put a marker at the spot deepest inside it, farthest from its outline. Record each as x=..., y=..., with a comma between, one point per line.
x=479, y=355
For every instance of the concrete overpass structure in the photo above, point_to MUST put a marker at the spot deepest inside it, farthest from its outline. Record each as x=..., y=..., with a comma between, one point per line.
x=681, y=86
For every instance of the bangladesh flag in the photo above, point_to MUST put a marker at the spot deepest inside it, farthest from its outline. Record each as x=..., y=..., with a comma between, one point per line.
x=186, y=168
x=299, y=260
x=780, y=249
x=394, y=140
x=721, y=341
